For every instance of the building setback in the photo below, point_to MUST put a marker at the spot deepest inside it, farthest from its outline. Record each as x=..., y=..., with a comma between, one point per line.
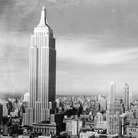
x=42, y=70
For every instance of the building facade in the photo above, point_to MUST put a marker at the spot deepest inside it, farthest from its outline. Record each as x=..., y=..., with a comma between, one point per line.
x=132, y=131
x=103, y=103
x=112, y=93
x=42, y=70
x=114, y=109
x=73, y=126
x=126, y=97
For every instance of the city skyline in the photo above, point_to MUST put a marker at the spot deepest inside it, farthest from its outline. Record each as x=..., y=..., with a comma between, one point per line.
x=96, y=43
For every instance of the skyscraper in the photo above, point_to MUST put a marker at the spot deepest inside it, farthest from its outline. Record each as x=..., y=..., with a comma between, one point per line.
x=130, y=98
x=126, y=96
x=112, y=93
x=113, y=110
x=42, y=69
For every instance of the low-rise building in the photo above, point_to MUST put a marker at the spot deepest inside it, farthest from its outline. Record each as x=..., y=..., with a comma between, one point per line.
x=73, y=126
x=46, y=128
x=87, y=134
x=103, y=125
x=132, y=131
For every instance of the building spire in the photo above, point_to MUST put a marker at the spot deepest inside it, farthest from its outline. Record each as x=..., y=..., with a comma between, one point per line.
x=126, y=86
x=43, y=21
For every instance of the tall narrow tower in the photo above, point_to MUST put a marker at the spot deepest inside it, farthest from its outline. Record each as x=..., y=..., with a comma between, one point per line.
x=126, y=96
x=112, y=93
x=113, y=111
x=42, y=67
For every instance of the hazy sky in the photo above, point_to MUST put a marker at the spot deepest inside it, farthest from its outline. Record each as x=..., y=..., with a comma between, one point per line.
x=96, y=42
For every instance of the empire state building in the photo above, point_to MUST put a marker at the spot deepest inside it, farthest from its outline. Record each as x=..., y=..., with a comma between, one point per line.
x=42, y=70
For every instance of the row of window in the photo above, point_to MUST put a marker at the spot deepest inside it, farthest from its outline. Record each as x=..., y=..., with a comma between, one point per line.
x=45, y=130
x=133, y=129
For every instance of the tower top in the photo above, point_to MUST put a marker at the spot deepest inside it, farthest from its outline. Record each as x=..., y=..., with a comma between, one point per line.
x=112, y=83
x=126, y=86
x=43, y=8
x=43, y=21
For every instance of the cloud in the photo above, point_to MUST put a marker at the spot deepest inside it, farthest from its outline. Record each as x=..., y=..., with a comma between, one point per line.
x=87, y=64
x=70, y=16
x=14, y=62
x=92, y=51
x=96, y=43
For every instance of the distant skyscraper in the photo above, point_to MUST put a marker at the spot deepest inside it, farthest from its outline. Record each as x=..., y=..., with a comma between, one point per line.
x=103, y=103
x=42, y=66
x=130, y=98
x=26, y=97
x=1, y=113
x=126, y=96
x=112, y=93
x=5, y=110
x=113, y=111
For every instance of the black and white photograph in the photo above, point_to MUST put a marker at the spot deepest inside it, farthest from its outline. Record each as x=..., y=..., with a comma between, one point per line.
x=69, y=68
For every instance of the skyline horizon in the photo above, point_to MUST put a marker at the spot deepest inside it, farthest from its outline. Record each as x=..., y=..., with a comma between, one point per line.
x=81, y=94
